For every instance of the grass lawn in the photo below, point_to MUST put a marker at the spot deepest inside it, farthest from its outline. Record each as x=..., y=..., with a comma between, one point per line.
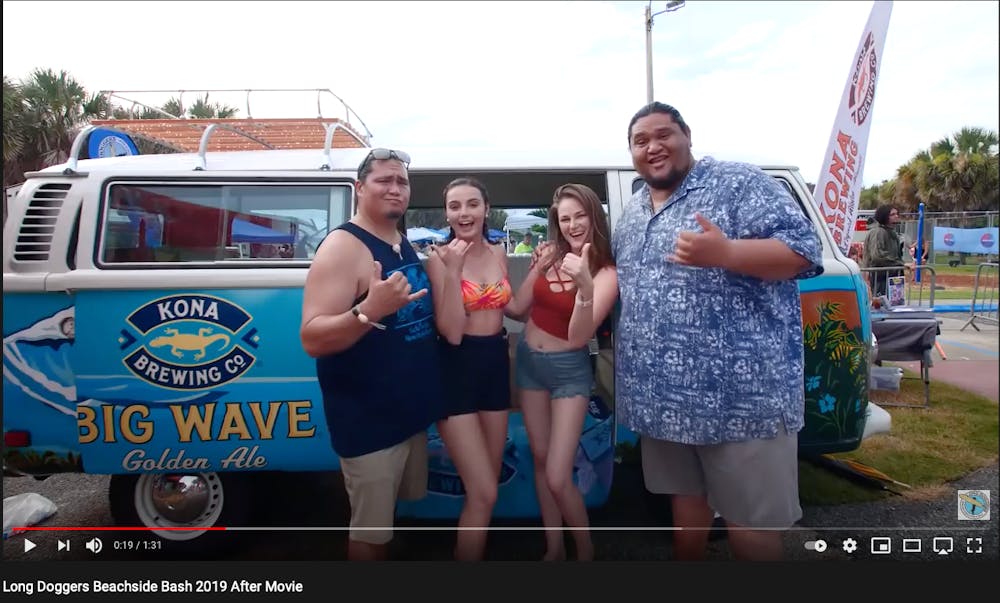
x=951, y=293
x=925, y=448
x=941, y=266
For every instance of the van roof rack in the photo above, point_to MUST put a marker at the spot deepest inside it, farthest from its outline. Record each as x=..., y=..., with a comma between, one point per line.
x=172, y=131
x=349, y=113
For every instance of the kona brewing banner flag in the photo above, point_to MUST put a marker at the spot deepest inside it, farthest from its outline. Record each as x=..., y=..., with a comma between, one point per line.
x=839, y=184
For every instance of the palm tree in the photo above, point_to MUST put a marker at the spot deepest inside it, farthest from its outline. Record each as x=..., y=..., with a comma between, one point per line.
x=958, y=174
x=42, y=115
x=202, y=109
x=56, y=106
x=868, y=198
x=964, y=170
x=15, y=133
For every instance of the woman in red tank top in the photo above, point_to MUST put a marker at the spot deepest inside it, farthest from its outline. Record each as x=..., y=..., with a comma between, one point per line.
x=567, y=294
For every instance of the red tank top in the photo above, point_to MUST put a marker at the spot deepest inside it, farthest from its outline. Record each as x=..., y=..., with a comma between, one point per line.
x=552, y=310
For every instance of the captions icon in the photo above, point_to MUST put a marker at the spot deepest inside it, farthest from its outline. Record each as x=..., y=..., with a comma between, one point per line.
x=881, y=545
x=94, y=545
x=943, y=545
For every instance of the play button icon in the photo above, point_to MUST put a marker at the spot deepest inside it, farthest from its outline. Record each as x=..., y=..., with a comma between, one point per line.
x=28, y=545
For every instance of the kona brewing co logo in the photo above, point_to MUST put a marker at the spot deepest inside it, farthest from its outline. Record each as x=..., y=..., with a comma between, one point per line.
x=863, y=83
x=187, y=342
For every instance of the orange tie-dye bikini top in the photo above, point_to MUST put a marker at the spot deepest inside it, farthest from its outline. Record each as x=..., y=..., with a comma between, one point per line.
x=486, y=296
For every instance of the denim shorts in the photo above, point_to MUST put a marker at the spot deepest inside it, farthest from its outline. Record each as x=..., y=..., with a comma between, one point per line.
x=562, y=374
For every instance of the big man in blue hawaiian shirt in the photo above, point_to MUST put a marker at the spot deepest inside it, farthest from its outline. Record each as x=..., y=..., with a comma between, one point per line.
x=709, y=355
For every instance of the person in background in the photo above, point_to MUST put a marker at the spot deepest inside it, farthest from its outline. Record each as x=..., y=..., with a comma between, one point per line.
x=925, y=252
x=526, y=245
x=883, y=248
x=708, y=346
x=367, y=319
x=469, y=276
x=567, y=294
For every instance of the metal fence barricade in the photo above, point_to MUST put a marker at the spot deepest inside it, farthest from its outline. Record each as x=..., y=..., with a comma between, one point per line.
x=915, y=294
x=984, y=296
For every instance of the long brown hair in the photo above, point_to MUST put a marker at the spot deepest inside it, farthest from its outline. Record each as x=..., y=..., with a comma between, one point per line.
x=599, y=237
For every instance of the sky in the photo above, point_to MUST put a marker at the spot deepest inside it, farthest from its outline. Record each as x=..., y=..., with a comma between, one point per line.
x=755, y=81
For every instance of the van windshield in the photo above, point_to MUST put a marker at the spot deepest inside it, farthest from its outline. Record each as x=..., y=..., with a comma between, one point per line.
x=191, y=222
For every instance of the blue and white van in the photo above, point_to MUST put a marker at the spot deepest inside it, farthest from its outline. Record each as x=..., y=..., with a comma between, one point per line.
x=151, y=317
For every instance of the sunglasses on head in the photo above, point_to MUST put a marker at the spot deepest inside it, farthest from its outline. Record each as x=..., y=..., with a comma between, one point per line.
x=382, y=154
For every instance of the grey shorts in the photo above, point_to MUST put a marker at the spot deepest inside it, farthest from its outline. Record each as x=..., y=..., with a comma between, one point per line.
x=753, y=484
x=562, y=374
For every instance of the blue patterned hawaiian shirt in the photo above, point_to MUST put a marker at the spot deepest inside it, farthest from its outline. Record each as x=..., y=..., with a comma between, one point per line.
x=704, y=355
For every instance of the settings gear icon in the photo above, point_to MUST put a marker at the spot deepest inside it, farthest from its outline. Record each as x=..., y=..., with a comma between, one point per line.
x=850, y=545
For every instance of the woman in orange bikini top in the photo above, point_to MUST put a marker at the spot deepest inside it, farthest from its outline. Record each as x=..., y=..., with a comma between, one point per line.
x=470, y=288
x=486, y=296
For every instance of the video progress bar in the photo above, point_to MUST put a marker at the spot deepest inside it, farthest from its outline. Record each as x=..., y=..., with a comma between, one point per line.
x=983, y=528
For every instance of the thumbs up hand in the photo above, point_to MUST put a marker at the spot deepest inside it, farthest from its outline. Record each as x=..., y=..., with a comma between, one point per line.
x=386, y=296
x=709, y=248
x=578, y=268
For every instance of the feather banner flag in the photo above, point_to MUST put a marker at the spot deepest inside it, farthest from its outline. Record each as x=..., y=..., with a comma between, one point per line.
x=839, y=184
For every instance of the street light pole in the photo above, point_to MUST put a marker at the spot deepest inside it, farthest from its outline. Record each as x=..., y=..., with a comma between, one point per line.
x=649, y=54
x=671, y=6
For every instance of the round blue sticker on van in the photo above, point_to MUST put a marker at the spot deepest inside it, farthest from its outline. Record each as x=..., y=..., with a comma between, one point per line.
x=108, y=143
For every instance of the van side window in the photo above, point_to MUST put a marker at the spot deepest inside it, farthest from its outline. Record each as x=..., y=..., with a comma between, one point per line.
x=637, y=184
x=192, y=223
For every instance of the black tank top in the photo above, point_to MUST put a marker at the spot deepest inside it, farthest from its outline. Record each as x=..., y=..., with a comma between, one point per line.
x=387, y=386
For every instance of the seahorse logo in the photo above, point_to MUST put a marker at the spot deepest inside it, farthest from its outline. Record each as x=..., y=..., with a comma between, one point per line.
x=189, y=342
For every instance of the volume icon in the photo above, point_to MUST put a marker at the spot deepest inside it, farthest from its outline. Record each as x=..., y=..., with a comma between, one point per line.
x=94, y=545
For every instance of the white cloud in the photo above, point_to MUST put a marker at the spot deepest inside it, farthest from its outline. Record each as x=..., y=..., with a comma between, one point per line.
x=753, y=79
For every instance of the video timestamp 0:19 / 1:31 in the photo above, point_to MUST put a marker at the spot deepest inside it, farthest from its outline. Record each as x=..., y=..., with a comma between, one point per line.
x=150, y=544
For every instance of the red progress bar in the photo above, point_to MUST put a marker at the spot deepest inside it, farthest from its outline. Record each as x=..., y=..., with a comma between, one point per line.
x=112, y=529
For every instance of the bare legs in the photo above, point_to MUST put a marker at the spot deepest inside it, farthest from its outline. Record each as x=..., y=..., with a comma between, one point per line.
x=691, y=512
x=554, y=430
x=690, y=545
x=475, y=445
x=756, y=545
x=364, y=551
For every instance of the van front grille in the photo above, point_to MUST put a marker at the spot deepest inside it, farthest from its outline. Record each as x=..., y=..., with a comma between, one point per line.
x=34, y=240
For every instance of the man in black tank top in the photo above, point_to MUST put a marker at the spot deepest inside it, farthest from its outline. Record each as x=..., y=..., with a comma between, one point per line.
x=367, y=318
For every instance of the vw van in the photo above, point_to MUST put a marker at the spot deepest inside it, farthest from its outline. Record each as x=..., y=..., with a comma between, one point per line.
x=151, y=316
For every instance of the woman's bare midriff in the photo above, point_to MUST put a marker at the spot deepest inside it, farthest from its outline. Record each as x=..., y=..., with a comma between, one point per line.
x=538, y=339
x=484, y=322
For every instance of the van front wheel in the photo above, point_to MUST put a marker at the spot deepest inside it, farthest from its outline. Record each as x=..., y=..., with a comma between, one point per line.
x=181, y=507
